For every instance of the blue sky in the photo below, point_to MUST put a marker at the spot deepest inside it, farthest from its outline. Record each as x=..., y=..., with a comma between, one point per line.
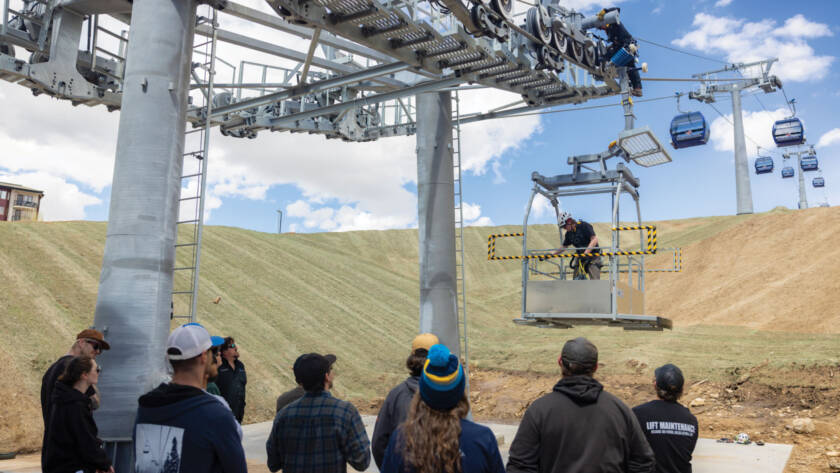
x=327, y=186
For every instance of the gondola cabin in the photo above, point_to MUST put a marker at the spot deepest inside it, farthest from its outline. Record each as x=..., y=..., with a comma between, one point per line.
x=788, y=132
x=809, y=163
x=689, y=129
x=818, y=182
x=787, y=172
x=763, y=165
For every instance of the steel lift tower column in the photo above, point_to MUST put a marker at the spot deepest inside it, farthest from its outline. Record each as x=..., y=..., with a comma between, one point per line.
x=436, y=214
x=135, y=287
x=710, y=85
x=743, y=191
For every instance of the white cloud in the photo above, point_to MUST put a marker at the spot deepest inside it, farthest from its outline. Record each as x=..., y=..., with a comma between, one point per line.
x=745, y=41
x=346, y=218
x=758, y=127
x=41, y=134
x=830, y=138
x=541, y=207
x=62, y=200
x=472, y=216
x=482, y=143
x=722, y=3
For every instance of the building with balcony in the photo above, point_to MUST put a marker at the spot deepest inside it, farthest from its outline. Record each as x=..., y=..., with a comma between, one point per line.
x=19, y=202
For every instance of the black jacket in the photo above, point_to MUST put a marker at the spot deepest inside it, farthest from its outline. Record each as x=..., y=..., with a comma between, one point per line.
x=393, y=413
x=579, y=428
x=71, y=437
x=231, y=383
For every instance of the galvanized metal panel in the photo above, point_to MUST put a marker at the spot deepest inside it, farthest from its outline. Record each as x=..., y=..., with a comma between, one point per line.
x=568, y=297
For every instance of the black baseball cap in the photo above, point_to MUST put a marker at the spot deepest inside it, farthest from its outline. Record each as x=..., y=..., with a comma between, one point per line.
x=310, y=368
x=580, y=351
x=669, y=377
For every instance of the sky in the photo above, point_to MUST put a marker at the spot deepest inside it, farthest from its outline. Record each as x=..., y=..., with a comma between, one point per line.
x=329, y=185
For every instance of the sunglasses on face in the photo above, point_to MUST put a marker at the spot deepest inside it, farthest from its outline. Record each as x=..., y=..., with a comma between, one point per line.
x=95, y=345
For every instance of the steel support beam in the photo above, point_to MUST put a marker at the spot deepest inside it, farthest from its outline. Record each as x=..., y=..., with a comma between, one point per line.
x=135, y=286
x=433, y=85
x=319, y=86
x=742, y=168
x=436, y=217
x=286, y=53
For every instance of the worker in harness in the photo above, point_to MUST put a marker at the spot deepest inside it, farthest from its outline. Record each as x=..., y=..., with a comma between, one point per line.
x=619, y=38
x=581, y=235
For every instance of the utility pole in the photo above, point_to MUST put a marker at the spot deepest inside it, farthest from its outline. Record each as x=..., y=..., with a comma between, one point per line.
x=709, y=87
x=279, y=221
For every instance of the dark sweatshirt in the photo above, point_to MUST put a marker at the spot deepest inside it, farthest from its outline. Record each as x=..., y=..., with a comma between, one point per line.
x=579, y=428
x=185, y=427
x=394, y=411
x=671, y=431
x=71, y=442
x=231, y=381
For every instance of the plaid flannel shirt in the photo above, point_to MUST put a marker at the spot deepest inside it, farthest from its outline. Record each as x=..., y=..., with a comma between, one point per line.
x=318, y=434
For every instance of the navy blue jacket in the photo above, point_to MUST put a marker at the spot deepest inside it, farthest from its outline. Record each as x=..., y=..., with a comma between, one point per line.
x=184, y=429
x=479, y=451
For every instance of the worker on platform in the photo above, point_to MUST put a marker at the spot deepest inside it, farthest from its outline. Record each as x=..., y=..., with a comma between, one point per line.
x=581, y=235
x=619, y=38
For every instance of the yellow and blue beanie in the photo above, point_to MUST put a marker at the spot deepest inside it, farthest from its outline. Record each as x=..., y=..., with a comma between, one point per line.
x=442, y=383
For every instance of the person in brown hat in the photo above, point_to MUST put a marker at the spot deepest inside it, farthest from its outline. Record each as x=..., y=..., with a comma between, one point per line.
x=89, y=342
x=395, y=408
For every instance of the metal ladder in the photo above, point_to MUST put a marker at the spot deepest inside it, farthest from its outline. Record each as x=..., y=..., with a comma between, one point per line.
x=190, y=224
x=460, y=272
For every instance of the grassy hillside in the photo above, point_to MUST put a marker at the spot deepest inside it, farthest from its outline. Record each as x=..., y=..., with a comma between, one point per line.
x=355, y=294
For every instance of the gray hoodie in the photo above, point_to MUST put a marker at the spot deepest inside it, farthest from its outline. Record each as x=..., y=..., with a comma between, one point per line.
x=393, y=413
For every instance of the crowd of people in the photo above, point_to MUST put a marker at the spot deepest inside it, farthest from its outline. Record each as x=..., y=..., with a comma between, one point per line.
x=422, y=427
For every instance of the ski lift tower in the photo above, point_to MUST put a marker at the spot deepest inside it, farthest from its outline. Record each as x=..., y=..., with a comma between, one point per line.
x=809, y=151
x=710, y=86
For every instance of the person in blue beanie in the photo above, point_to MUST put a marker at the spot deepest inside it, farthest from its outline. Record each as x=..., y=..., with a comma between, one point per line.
x=436, y=437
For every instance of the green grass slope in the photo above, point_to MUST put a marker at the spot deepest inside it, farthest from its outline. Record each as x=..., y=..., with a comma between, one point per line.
x=354, y=294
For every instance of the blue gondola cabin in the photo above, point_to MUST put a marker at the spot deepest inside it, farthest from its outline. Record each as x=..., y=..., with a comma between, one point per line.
x=788, y=132
x=689, y=129
x=763, y=165
x=818, y=182
x=787, y=171
x=809, y=163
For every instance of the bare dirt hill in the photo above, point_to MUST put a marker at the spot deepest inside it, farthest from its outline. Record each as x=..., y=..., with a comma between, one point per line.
x=776, y=271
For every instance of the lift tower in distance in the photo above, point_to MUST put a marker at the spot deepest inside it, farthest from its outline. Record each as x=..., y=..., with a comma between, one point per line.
x=710, y=86
x=809, y=151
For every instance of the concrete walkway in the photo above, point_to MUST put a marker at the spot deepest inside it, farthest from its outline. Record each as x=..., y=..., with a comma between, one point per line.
x=709, y=456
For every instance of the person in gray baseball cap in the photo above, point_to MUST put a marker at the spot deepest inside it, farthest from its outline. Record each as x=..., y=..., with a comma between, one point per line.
x=579, y=427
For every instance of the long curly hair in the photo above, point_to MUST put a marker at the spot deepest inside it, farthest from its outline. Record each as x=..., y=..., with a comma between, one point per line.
x=431, y=437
